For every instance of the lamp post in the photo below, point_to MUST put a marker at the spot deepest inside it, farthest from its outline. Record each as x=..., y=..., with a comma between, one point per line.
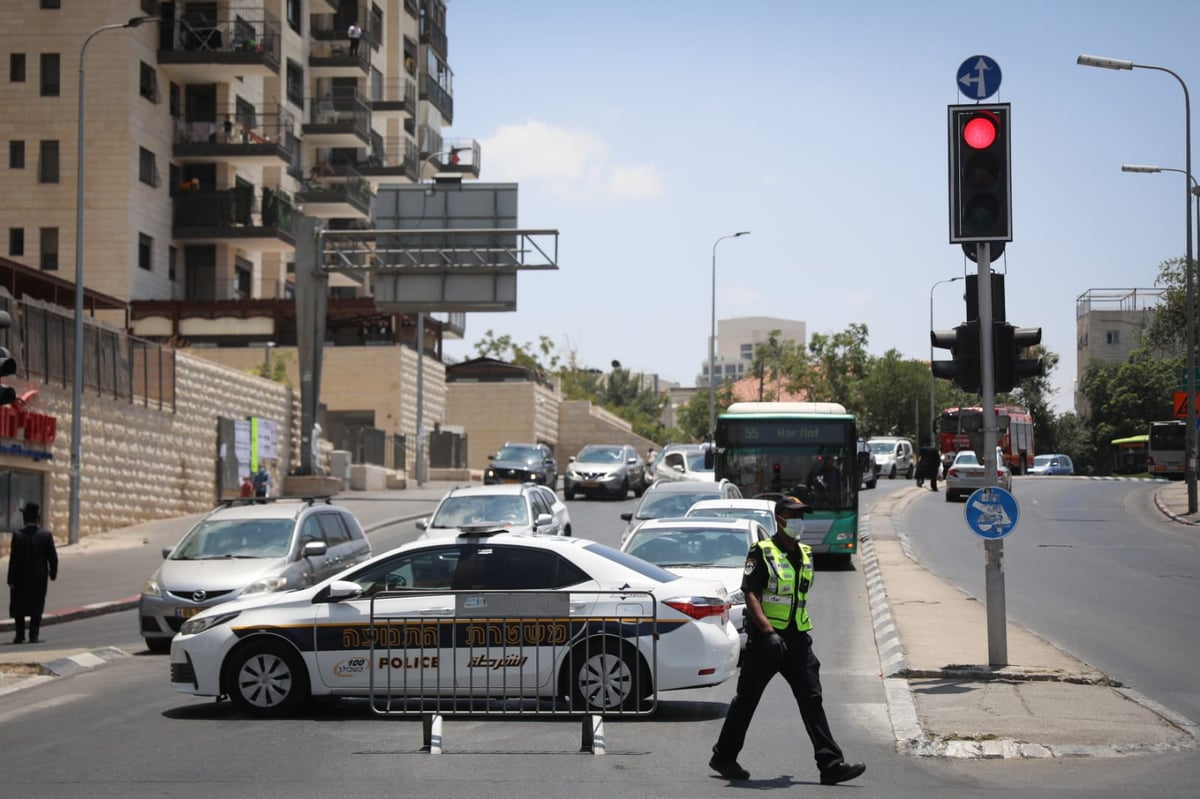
x=77, y=380
x=1189, y=382
x=712, y=337
x=932, y=397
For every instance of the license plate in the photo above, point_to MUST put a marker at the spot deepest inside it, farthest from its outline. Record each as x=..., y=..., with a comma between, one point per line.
x=512, y=481
x=589, y=484
x=187, y=613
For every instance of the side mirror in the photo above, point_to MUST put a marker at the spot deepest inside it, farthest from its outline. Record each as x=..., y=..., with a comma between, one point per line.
x=314, y=549
x=626, y=517
x=421, y=524
x=342, y=589
x=571, y=459
x=710, y=459
x=543, y=520
x=167, y=552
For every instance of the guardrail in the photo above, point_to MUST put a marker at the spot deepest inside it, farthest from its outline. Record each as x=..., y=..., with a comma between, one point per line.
x=592, y=654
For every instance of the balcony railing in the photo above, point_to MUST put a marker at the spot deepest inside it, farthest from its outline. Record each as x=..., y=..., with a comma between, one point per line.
x=242, y=208
x=335, y=53
x=343, y=110
x=328, y=185
x=253, y=130
x=197, y=38
x=439, y=96
x=388, y=158
x=429, y=141
x=394, y=94
x=433, y=34
x=336, y=26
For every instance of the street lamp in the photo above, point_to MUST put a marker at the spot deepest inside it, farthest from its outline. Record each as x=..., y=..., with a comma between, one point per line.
x=712, y=337
x=932, y=399
x=77, y=384
x=1190, y=322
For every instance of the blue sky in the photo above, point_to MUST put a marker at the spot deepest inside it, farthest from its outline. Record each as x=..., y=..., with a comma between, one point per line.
x=644, y=130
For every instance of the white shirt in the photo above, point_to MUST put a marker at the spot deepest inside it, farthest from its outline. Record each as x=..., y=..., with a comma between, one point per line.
x=355, y=32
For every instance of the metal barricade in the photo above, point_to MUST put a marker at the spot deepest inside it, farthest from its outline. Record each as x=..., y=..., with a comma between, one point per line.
x=514, y=653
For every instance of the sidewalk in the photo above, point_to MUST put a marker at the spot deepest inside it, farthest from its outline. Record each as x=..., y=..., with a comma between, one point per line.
x=943, y=699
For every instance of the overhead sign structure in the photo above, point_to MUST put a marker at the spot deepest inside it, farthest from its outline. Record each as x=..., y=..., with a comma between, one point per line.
x=979, y=77
x=992, y=512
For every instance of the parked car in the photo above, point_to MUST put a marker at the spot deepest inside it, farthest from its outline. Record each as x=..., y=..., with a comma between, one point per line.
x=682, y=462
x=269, y=657
x=522, y=463
x=702, y=547
x=674, y=498
x=513, y=508
x=611, y=470
x=244, y=548
x=966, y=474
x=893, y=456
x=1052, y=464
x=557, y=507
x=870, y=471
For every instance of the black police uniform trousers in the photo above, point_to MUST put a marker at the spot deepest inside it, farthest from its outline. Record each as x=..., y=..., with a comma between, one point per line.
x=801, y=669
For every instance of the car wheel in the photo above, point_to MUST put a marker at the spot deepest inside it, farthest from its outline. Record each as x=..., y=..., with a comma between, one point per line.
x=605, y=674
x=159, y=646
x=624, y=491
x=266, y=679
x=949, y=495
x=892, y=473
x=908, y=475
x=641, y=488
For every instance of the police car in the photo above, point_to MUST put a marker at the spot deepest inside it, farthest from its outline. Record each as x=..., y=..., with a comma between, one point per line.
x=606, y=630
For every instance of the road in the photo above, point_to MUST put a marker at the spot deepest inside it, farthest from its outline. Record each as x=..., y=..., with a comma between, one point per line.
x=120, y=730
x=1093, y=567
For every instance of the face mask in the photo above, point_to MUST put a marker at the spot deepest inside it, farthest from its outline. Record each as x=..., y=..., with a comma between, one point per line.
x=793, y=528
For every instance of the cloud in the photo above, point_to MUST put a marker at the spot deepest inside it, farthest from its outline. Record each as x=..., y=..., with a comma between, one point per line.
x=567, y=161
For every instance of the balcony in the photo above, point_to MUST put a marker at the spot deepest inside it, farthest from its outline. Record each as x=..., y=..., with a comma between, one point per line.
x=245, y=138
x=460, y=156
x=338, y=119
x=438, y=91
x=332, y=27
x=335, y=193
x=391, y=160
x=332, y=59
x=433, y=27
x=197, y=49
x=262, y=221
x=394, y=97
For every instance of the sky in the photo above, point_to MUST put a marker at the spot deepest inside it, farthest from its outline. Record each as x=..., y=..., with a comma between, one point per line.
x=644, y=130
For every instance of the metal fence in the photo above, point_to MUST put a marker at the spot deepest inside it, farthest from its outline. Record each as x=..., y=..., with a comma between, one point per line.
x=515, y=653
x=115, y=364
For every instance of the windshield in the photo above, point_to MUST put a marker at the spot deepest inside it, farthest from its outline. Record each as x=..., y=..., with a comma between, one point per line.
x=824, y=477
x=506, y=509
x=236, y=538
x=673, y=503
x=764, y=517
x=519, y=454
x=690, y=547
x=883, y=448
x=599, y=455
x=966, y=459
x=642, y=567
x=1042, y=460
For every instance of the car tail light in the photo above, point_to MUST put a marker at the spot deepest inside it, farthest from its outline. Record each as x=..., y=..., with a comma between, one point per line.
x=701, y=607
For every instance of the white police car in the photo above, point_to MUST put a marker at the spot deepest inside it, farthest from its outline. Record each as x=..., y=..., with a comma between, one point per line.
x=610, y=630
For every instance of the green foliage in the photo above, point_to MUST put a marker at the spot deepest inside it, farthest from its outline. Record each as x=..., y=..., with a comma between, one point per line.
x=540, y=357
x=277, y=371
x=892, y=397
x=1165, y=331
x=1123, y=399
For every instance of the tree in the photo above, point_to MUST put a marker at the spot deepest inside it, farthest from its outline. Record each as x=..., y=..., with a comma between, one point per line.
x=541, y=358
x=1124, y=398
x=1165, y=330
x=836, y=364
x=1035, y=394
x=777, y=363
x=892, y=396
x=692, y=419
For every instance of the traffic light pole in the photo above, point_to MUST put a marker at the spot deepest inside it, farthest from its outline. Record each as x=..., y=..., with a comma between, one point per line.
x=993, y=548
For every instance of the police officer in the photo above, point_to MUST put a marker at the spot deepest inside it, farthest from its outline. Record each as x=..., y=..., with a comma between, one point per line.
x=777, y=577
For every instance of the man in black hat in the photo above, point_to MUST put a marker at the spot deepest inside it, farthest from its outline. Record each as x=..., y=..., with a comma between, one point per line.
x=778, y=574
x=32, y=561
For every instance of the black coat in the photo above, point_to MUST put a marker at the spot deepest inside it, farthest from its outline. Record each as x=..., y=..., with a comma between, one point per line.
x=32, y=561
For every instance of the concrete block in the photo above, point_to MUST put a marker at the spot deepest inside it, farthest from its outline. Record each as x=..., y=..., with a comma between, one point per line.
x=366, y=477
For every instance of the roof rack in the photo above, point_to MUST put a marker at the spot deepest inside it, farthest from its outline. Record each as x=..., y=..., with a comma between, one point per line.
x=308, y=500
x=483, y=529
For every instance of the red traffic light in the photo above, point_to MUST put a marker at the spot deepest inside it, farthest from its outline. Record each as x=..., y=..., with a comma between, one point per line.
x=980, y=132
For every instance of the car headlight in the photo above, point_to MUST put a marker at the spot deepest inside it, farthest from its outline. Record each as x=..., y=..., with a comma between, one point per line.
x=265, y=585
x=151, y=588
x=490, y=473
x=199, y=624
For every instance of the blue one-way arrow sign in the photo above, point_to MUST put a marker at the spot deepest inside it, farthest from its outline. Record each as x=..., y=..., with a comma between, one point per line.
x=979, y=77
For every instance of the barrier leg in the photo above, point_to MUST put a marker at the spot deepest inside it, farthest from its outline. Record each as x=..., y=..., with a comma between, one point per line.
x=431, y=733
x=593, y=735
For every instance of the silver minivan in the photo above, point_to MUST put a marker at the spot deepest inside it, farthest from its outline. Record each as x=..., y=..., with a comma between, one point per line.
x=246, y=547
x=893, y=456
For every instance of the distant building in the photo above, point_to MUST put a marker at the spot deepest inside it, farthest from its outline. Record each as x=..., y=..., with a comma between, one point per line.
x=738, y=338
x=1109, y=324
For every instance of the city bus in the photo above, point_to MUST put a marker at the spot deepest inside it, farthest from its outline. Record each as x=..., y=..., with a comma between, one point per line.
x=808, y=450
x=1014, y=442
x=1166, y=450
x=1128, y=455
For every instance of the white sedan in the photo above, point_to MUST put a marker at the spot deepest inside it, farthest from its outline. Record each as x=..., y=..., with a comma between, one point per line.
x=966, y=474
x=530, y=617
x=707, y=548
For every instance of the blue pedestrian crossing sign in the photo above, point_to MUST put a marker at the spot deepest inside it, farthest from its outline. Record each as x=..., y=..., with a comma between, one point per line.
x=992, y=512
x=978, y=77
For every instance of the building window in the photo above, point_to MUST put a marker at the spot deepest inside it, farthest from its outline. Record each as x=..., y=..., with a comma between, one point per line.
x=16, y=67
x=148, y=85
x=49, y=248
x=293, y=15
x=242, y=269
x=145, y=252
x=16, y=241
x=746, y=351
x=51, y=4
x=173, y=101
x=16, y=155
x=147, y=168
x=48, y=161
x=172, y=257
x=49, y=74
x=1112, y=336
x=295, y=83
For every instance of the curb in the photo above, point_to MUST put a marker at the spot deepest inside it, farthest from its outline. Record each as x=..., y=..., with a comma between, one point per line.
x=1170, y=514
x=63, y=667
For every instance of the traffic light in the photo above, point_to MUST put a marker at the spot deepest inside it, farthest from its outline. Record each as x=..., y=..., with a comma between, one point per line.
x=1009, y=344
x=8, y=365
x=980, y=204
x=963, y=343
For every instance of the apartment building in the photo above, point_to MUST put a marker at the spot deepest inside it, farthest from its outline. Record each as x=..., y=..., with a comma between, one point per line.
x=1108, y=327
x=209, y=128
x=738, y=338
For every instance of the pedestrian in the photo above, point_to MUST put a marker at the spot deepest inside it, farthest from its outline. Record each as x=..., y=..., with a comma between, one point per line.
x=262, y=483
x=355, y=34
x=247, y=487
x=776, y=580
x=929, y=464
x=31, y=561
